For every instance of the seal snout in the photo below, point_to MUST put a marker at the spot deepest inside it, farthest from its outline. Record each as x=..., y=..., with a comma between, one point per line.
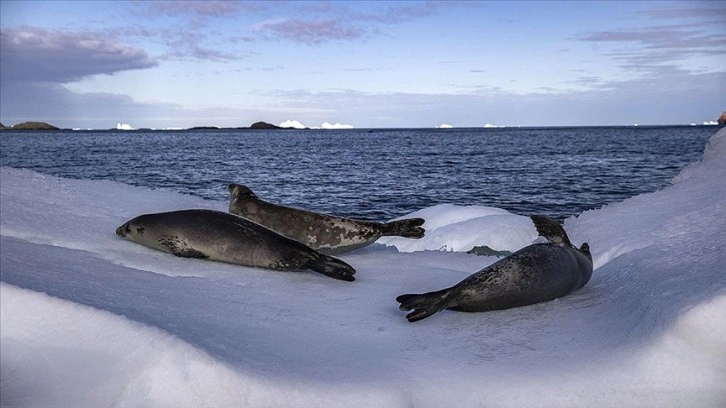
x=122, y=230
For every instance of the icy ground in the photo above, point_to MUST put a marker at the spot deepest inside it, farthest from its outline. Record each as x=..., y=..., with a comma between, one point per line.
x=91, y=320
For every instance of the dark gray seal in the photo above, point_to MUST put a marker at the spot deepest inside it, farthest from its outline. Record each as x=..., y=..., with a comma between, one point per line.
x=224, y=237
x=325, y=233
x=536, y=273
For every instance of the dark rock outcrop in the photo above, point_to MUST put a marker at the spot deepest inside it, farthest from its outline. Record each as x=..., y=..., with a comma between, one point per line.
x=31, y=126
x=205, y=128
x=722, y=119
x=264, y=125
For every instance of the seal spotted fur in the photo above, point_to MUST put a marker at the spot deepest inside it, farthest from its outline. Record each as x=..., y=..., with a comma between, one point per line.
x=325, y=233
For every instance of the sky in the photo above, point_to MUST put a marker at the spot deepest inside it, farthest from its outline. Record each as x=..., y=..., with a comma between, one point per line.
x=371, y=64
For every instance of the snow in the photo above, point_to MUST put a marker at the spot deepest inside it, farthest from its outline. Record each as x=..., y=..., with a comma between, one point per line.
x=449, y=228
x=89, y=319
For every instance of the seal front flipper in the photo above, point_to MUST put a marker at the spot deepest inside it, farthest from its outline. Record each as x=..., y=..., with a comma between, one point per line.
x=333, y=267
x=551, y=229
x=423, y=305
x=180, y=248
x=408, y=228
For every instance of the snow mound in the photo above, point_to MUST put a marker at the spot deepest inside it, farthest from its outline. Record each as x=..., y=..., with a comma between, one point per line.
x=460, y=228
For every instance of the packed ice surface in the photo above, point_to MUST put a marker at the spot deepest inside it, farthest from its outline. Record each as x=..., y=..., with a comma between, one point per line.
x=88, y=319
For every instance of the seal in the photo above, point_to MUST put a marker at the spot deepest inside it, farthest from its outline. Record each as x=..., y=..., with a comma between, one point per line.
x=534, y=274
x=325, y=233
x=220, y=236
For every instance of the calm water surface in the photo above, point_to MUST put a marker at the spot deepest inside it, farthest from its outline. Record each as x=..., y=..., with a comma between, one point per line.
x=378, y=174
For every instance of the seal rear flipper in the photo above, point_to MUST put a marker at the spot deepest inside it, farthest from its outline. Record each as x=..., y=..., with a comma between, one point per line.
x=333, y=267
x=408, y=228
x=550, y=229
x=423, y=305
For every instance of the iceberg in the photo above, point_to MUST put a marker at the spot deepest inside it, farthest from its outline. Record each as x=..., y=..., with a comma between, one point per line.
x=292, y=124
x=336, y=125
x=444, y=126
x=123, y=126
x=89, y=319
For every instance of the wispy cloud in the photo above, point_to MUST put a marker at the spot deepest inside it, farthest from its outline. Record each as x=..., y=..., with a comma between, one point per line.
x=184, y=43
x=693, y=32
x=706, y=11
x=338, y=21
x=203, y=8
x=310, y=31
x=648, y=49
x=35, y=54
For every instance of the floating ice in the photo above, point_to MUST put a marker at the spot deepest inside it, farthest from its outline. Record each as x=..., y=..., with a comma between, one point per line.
x=123, y=126
x=337, y=125
x=292, y=124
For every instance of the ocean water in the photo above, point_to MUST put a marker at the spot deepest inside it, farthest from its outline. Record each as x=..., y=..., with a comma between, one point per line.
x=377, y=174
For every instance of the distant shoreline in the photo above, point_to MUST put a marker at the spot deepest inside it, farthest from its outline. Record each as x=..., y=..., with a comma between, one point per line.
x=42, y=126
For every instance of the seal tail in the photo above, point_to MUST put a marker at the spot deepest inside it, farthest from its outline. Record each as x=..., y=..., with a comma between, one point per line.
x=333, y=267
x=408, y=228
x=423, y=305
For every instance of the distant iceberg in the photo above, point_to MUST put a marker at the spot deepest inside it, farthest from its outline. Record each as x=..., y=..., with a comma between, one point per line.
x=337, y=125
x=292, y=124
x=489, y=126
x=444, y=126
x=123, y=126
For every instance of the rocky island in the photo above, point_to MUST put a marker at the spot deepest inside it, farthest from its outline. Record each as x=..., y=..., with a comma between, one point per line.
x=264, y=125
x=29, y=126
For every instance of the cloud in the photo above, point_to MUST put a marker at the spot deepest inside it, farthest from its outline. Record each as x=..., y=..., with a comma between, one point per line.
x=55, y=56
x=337, y=21
x=666, y=38
x=708, y=12
x=55, y=104
x=202, y=8
x=184, y=43
x=398, y=14
x=695, y=32
x=656, y=46
x=642, y=100
x=309, y=31
x=209, y=8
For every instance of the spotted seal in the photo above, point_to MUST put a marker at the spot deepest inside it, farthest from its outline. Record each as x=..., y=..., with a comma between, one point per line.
x=325, y=233
x=220, y=236
x=536, y=273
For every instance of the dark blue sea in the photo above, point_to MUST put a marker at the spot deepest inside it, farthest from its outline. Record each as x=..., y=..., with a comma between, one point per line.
x=377, y=174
